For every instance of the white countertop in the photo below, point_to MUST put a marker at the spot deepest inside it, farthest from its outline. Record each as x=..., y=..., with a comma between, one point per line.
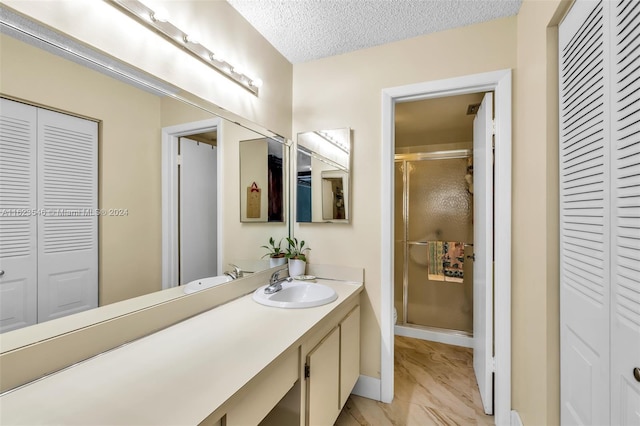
x=179, y=375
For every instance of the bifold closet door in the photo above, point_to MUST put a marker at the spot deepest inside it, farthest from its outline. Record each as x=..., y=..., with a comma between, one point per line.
x=625, y=253
x=48, y=217
x=600, y=213
x=18, y=254
x=584, y=215
x=68, y=231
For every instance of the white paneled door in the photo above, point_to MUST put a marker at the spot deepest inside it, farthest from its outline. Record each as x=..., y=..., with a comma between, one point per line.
x=599, y=56
x=483, y=251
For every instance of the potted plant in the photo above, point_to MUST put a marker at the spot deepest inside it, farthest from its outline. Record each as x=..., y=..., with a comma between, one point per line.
x=276, y=255
x=297, y=258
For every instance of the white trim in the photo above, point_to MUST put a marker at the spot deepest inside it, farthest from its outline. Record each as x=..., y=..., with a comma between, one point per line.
x=367, y=387
x=515, y=419
x=435, y=336
x=170, y=241
x=500, y=82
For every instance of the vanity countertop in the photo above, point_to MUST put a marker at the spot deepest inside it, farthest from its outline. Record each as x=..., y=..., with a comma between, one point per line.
x=178, y=375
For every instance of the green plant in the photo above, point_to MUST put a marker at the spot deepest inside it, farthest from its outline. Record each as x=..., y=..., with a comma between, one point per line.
x=296, y=249
x=274, y=250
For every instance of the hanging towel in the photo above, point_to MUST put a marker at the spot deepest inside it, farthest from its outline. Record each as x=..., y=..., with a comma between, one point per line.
x=435, y=260
x=453, y=261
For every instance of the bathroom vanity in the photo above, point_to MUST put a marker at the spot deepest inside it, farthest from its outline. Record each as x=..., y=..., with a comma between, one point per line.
x=240, y=363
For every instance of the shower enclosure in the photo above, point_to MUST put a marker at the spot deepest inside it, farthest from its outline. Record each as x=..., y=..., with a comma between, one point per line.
x=433, y=276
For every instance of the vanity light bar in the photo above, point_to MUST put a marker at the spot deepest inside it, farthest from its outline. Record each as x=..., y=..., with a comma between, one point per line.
x=335, y=142
x=159, y=21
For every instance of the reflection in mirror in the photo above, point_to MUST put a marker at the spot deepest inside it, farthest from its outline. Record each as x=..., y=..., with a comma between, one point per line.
x=129, y=224
x=323, y=169
x=262, y=180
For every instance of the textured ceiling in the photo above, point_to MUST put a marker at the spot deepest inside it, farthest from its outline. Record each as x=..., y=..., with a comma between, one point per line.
x=304, y=30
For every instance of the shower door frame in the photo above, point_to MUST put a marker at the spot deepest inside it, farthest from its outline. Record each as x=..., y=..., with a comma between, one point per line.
x=450, y=336
x=500, y=83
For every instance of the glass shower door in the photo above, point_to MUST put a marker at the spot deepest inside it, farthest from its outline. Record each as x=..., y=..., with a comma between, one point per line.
x=438, y=216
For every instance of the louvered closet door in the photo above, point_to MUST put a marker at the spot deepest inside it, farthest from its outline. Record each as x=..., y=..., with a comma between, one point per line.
x=18, y=256
x=625, y=259
x=584, y=215
x=68, y=233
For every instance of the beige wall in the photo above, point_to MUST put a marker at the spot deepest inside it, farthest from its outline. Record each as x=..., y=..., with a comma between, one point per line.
x=221, y=29
x=345, y=91
x=535, y=275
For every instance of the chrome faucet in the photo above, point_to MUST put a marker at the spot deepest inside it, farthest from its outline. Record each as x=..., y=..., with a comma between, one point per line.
x=236, y=273
x=275, y=282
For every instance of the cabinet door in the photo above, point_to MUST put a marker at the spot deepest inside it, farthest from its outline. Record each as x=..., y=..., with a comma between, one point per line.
x=323, y=381
x=349, y=354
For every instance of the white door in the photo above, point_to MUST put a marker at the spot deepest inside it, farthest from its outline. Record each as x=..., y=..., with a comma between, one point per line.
x=625, y=258
x=584, y=216
x=68, y=229
x=18, y=253
x=198, y=211
x=483, y=250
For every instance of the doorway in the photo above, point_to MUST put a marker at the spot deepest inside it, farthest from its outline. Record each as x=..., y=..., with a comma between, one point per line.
x=201, y=135
x=500, y=83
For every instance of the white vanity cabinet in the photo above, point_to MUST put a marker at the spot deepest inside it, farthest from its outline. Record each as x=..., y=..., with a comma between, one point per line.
x=331, y=370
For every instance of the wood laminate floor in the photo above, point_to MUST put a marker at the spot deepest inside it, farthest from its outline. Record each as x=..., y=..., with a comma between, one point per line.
x=434, y=385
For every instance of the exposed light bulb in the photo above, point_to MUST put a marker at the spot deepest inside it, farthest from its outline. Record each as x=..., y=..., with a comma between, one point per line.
x=160, y=14
x=192, y=38
x=256, y=82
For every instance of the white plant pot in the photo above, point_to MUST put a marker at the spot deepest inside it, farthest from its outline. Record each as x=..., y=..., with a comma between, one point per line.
x=296, y=267
x=277, y=261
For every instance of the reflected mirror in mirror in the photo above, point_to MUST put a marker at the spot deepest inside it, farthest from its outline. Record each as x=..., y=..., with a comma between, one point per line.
x=129, y=256
x=262, y=180
x=323, y=169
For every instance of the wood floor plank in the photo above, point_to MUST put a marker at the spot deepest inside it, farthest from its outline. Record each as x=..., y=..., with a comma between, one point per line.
x=434, y=384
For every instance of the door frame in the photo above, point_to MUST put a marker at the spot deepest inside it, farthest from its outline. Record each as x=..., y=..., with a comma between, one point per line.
x=500, y=83
x=170, y=190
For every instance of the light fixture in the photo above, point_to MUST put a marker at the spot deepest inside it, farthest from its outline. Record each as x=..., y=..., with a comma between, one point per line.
x=158, y=19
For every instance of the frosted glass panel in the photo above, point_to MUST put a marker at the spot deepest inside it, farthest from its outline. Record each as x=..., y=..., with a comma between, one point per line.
x=440, y=209
x=439, y=203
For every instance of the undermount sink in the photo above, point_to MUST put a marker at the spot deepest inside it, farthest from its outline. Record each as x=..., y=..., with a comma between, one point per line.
x=296, y=294
x=205, y=283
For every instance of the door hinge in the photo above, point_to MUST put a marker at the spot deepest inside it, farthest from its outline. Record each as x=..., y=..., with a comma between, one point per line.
x=179, y=158
x=492, y=364
x=307, y=371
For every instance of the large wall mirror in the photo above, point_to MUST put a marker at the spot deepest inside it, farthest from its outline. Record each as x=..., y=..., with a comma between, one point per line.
x=323, y=181
x=262, y=177
x=132, y=114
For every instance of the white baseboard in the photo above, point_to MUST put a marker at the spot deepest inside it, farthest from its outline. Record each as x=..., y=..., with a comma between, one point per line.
x=368, y=387
x=515, y=419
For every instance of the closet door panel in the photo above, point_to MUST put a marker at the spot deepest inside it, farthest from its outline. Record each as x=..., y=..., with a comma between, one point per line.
x=68, y=232
x=18, y=254
x=625, y=259
x=584, y=215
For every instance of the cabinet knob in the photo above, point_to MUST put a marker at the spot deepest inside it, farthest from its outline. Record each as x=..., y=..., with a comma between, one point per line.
x=1, y=273
x=636, y=373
